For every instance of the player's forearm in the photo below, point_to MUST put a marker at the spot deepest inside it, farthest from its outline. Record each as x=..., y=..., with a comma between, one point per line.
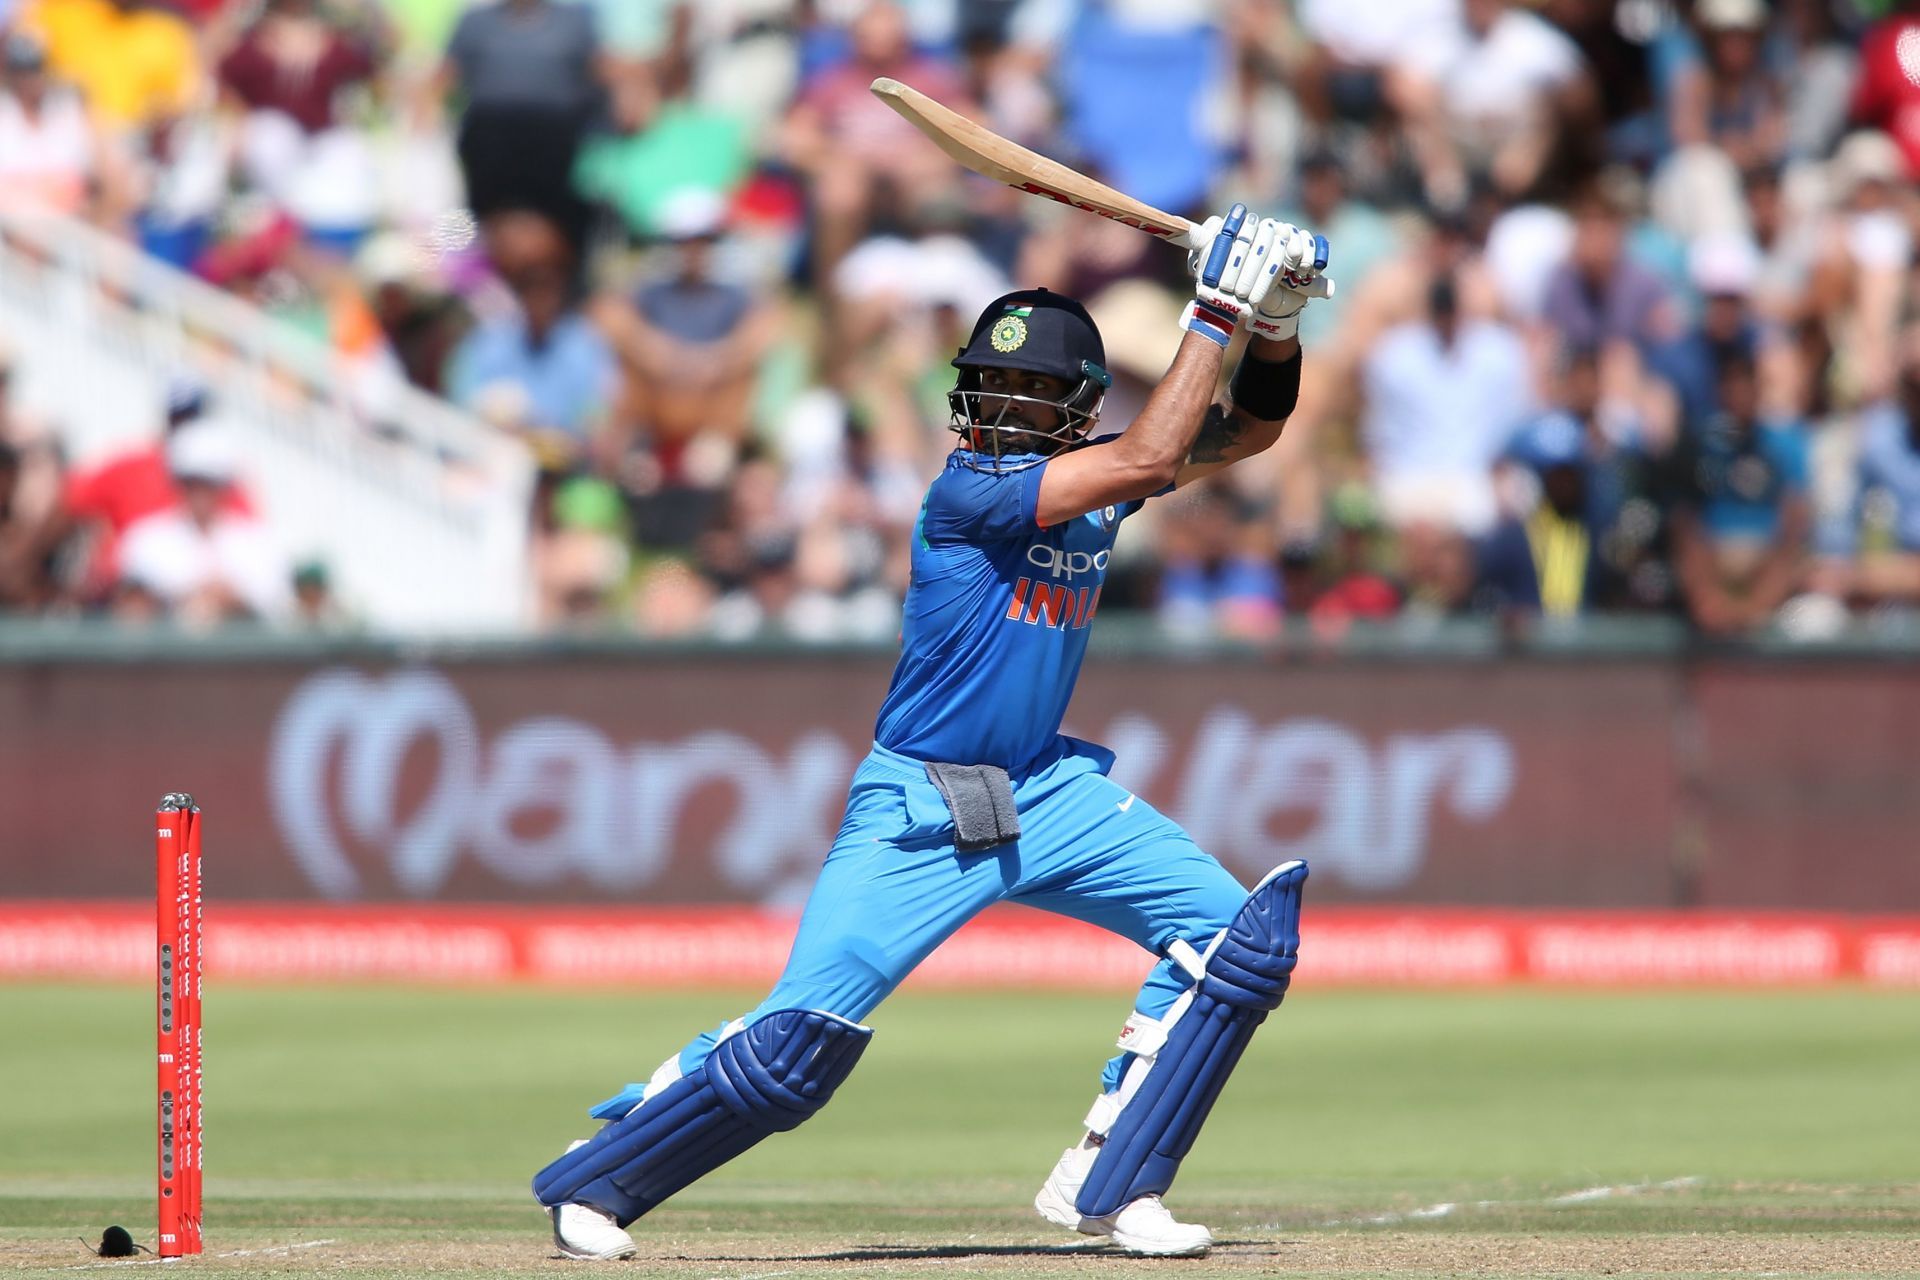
x=1264, y=390
x=1692, y=560
x=1160, y=439
x=1781, y=573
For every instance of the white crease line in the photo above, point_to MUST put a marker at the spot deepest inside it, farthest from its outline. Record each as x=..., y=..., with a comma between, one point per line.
x=278, y=1248
x=1572, y=1197
x=231, y=1253
x=758, y=1275
x=1628, y=1189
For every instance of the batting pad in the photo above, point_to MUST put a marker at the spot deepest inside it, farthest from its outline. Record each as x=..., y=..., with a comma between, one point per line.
x=1245, y=978
x=766, y=1079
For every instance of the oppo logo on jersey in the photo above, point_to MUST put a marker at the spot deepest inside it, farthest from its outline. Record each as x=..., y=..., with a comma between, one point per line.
x=1067, y=564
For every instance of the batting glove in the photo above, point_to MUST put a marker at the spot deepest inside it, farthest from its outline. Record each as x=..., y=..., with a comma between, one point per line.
x=1226, y=244
x=1289, y=265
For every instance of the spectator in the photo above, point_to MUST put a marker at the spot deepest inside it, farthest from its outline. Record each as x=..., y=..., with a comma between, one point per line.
x=1741, y=513
x=1345, y=583
x=418, y=315
x=1154, y=140
x=287, y=73
x=1861, y=278
x=1570, y=552
x=533, y=78
x=1443, y=395
x=1788, y=244
x=1887, y=567
x=178, y=179
x=676, y=144
x=812, y=581
x=1438, y=571
x=1725, y=95
x=1220, y=575
x=1887, y=94
x=584, y=558
x=1818, y=73
x=104, y=501
x=1600, y=296
x=205, y=562
x=1365, y=237
x=544, y=349
x=1496, y=94
x=857, y=154
x=30, y=476
x=315, y=607
x=1616, y=57
x=1345, y=83
x=749, y=555
x=51, y=157
x=1724, y=270
x=19, y=584
x=672, y=601
x=1619, y=451
x=134, y=62
x=690, y=343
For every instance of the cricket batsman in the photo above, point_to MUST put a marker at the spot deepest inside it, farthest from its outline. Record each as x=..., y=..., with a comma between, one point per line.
x=972, y=795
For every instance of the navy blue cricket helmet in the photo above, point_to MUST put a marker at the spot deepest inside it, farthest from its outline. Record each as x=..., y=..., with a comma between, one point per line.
x=1033, y=331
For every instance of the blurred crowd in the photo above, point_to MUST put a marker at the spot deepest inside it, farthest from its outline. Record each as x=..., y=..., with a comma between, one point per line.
x=1626, y=317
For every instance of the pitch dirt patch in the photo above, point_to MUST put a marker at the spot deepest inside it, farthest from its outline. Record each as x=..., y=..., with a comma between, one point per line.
x=718, y=1256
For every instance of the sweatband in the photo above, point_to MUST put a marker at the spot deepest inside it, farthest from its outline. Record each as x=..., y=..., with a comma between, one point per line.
x=1266, y=390
x=1216, y=324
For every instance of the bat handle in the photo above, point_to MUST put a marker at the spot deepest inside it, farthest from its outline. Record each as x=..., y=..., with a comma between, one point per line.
x=1223, y=245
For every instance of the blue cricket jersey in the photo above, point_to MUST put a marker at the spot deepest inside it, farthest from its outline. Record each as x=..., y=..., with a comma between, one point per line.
x=997, y=618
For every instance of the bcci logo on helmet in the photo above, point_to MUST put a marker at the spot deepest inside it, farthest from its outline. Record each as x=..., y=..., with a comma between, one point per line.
x=1009, y=334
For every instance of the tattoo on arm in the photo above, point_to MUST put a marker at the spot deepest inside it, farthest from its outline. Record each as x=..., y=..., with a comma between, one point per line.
x=1220, y=431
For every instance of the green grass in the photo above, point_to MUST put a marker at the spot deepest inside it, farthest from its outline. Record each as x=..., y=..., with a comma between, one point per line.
x=394, y=1121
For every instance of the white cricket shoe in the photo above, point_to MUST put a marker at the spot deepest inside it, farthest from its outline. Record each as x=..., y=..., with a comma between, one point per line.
x=1062, y=1188
x=1146, y=1226
x=1143, y=1226
x=582, y=1231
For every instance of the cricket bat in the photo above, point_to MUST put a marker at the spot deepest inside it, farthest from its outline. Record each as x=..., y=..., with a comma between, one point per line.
x=992, y=156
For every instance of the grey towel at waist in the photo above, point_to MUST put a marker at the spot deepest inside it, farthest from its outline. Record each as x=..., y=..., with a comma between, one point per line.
x=980, y=798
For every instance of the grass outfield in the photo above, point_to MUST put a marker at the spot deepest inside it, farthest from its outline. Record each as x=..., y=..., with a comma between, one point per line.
x=1725, y=1134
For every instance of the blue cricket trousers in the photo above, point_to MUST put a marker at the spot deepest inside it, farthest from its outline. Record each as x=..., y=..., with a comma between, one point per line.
x=893, y=887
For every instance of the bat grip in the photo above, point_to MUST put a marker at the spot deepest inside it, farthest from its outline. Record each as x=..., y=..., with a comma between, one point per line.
x=1223, y=245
